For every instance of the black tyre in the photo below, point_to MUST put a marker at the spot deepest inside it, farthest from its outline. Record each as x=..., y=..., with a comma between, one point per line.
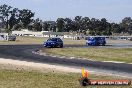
x=97, y=44
x=61, y=46
x=86, y=44
x=103, y=44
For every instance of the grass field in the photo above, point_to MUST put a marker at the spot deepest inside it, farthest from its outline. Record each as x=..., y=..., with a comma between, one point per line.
x=23, y=79
x=100, y=54
x=94, y=53
x=32, y=79
x=25, y=40
x=39, y=40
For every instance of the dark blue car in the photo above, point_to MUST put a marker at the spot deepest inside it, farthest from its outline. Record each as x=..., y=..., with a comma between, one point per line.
x=96, y=41
x=53, y=42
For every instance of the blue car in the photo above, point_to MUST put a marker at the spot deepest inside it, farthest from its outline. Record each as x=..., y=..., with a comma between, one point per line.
x=53, y=42
x=96, y=41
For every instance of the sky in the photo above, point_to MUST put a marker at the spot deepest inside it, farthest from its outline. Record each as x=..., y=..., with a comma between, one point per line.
x=112, y=10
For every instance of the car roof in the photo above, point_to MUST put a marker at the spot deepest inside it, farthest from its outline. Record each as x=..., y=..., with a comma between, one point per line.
x=96, y=37
x=54, y=37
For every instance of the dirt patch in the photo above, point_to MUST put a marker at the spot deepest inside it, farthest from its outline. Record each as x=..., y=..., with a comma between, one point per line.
x=9, y=64
x=110, y=41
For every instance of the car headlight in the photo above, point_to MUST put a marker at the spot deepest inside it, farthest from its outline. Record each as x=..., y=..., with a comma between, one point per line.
x=88, y=42
x=52, y=43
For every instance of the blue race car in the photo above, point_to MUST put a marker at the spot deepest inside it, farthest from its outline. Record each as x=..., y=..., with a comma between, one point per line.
x=53, y=42
x=96, y=41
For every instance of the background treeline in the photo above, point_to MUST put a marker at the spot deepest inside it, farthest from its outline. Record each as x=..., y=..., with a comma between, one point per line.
x=16, y=19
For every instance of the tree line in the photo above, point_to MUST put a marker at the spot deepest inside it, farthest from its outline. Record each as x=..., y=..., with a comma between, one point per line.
x=16, y=19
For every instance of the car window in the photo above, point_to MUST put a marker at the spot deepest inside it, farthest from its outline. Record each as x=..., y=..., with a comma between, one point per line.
x=96, y=38
x=91, y=39
x=102, y=38
x=52, y=39
x=59, y=40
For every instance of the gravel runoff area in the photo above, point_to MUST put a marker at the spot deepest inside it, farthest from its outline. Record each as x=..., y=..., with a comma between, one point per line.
x=9, y=64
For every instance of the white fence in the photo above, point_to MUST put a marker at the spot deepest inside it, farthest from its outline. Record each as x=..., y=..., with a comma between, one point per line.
x=41, y=34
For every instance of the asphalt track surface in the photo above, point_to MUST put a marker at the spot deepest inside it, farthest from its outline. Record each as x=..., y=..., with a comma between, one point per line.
x=24, y=53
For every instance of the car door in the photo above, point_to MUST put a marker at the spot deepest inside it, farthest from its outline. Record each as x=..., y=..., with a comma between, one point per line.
x=59, y=41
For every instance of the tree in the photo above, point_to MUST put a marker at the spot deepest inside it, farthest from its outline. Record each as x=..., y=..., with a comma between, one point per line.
x=46, y=26
x=60, y=24
x=67, y=25
x=78, y=18
x=127, y=25
x=105, y=27
x=85, y=22
x=25, y=17
x=93, y=26
x=115, y=28
x=14, y=19
x=2, y=23
x=5, y=12
x=17, y=26
x=74, y=26
x=37, y=26
x=78, y=23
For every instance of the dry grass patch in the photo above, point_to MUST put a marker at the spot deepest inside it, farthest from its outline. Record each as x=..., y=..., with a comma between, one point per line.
x=99, y=54
x=40, y=40
x=24, y=79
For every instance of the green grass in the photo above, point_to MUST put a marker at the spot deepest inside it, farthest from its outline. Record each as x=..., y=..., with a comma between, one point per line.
x=23, y=79
x=39, y=40
x=25, y=40
x=99, y=54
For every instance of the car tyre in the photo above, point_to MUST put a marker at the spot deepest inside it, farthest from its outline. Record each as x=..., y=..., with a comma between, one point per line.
x=61, y=46
x=86, y=44
x=103, y=44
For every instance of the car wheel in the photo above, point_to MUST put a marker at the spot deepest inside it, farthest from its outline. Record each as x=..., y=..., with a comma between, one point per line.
x=97, y=44
x=52, y=46
x=61, y=46
x=103, y=44
x=86, y=44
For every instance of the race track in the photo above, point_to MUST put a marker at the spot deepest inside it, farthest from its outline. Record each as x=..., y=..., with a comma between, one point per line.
x=24, y=53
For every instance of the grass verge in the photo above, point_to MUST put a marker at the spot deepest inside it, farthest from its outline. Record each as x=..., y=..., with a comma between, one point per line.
x=39, y=40
x=24, y=79
x=25, y=40
x=94, y=53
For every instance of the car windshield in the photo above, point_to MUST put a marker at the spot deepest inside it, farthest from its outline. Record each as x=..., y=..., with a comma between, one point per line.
x=96, y=38
x=100, y=38
x=52, y=39
x=91, y=39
